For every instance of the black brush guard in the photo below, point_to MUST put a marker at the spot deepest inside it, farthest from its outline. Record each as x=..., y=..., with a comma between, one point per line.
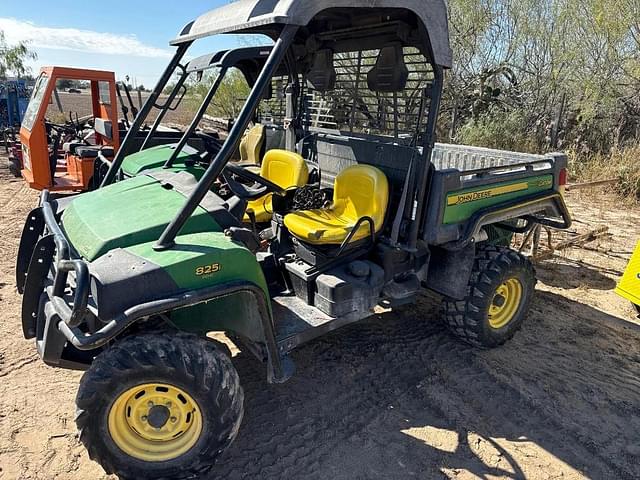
x=43, y=268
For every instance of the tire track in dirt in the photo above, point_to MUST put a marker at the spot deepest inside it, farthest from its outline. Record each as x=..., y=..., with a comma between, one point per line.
x=15, y=366
x=316, y=422
x=401, y=358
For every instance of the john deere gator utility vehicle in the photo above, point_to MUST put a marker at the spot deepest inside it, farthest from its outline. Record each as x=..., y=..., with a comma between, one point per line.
x=364, y=209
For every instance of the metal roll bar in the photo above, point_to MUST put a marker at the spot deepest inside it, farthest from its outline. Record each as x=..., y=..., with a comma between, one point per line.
x=167, y=239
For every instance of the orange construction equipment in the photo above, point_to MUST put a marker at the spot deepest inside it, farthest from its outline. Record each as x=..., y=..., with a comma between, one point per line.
x=63, y=156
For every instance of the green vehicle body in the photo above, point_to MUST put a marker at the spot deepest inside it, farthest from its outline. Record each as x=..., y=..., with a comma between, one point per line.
x=463, y=204
x=203, y=257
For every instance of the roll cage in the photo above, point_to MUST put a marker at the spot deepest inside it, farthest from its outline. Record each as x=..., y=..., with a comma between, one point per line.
x=300, y=30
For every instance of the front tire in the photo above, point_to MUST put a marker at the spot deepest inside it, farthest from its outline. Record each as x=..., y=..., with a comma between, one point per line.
x=159, y=406
x=498, y=298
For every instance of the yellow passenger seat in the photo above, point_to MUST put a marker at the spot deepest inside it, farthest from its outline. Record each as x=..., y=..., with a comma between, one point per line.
x=285, y=169
x=359, y=191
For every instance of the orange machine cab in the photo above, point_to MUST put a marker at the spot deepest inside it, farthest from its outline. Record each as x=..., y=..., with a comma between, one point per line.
x=68, y=165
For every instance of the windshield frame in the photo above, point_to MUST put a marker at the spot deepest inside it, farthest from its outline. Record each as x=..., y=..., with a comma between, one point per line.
x=36, y=100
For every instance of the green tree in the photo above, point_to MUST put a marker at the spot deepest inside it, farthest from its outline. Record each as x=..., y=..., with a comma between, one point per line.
x=13, y=58
x=544, y=74
x=229, y=97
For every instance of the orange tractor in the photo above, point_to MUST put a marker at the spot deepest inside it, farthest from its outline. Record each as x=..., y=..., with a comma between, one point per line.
x=62, y=155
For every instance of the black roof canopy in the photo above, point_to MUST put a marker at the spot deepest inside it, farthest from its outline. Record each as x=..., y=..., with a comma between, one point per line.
x=323, y=18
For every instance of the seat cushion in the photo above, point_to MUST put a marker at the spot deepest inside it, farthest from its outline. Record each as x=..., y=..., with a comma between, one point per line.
x=323, y=227
x=262, y=208
x=359, y=191
x=70, y=147
x=91, y=151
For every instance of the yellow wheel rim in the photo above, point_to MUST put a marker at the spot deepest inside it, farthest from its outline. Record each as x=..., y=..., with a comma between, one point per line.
x=155, y=422
x=505, y=303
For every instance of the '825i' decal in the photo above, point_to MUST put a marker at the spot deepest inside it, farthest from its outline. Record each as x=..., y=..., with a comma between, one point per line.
x=208, y=269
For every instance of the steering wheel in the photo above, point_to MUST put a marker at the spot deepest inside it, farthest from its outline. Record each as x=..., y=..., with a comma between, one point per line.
x=245, y=192
x=211, y=143
x=60, y=129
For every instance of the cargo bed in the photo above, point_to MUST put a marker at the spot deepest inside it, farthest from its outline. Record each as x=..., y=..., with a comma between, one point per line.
x=474, y=186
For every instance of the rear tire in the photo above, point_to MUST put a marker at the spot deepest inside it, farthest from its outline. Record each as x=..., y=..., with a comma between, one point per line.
x=159, y=406
x=498, y=298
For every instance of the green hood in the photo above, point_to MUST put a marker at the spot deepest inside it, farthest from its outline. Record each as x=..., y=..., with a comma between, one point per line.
x=127, y=213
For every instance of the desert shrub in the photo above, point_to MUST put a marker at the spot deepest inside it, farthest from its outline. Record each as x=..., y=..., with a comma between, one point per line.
x=502, y=130
x=623, y=165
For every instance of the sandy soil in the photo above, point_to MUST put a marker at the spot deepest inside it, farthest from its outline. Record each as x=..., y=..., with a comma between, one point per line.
x=394, y=397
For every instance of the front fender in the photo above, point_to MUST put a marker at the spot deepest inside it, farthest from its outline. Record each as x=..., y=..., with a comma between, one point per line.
x=199, y=262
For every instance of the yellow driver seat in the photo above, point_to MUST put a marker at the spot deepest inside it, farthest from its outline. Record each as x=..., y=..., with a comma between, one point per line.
x=359, y=191
x=285, y=169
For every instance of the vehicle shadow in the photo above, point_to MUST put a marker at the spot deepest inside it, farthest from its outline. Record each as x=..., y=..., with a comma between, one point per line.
x=397, y=397
x=567, y=273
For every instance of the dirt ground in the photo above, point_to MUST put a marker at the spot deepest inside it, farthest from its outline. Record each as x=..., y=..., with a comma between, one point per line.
x=394, y=397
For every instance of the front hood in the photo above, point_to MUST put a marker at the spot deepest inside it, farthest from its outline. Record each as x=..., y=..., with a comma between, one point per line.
x=124, y=214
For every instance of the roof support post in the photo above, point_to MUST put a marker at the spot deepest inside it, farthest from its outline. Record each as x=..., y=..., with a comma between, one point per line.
x=196, y=120
x=426, y=170
x=167, y=104
x=143, y=114
x=167, y=239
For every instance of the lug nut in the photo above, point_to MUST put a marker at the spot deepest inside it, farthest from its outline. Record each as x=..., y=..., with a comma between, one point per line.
x=144, y=418
x=174, y=419
x=150, y=404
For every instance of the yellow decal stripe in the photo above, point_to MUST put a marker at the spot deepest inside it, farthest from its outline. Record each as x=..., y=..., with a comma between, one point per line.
x=461, y=198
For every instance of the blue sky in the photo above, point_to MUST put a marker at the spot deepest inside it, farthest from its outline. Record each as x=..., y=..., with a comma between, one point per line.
x=130, y=38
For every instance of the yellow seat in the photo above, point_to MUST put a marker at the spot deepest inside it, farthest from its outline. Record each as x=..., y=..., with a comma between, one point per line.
x=359, y=191
x=285, y=169
x=251, y=145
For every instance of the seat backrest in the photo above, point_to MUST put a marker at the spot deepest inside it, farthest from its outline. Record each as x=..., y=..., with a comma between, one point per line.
x=361, y=191
x=285, y=169
x=104, y=128
x=322, y=75
x=390, y=73
x=274, y=138
x=251, y=145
